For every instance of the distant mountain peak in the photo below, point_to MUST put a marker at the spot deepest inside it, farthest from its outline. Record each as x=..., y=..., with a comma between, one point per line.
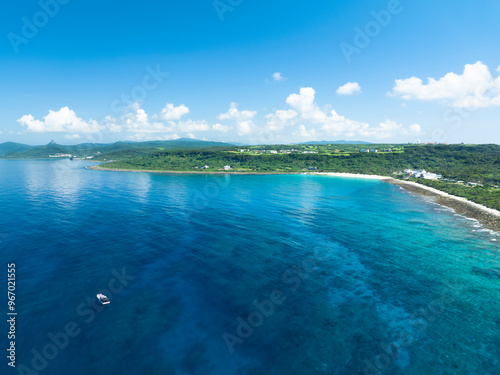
x=52, y=142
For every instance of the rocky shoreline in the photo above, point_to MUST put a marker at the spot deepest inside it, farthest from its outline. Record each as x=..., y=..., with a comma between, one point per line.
x=488, y=217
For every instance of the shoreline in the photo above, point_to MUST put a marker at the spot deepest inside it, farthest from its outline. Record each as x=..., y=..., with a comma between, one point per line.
x=351, y=175
x=488, y=217
x=235, y=172
x=98, y=168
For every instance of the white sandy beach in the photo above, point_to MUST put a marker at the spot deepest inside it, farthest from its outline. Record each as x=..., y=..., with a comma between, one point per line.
x=458, y=204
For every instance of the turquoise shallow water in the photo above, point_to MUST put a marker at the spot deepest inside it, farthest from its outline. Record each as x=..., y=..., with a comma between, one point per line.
x=242, y=275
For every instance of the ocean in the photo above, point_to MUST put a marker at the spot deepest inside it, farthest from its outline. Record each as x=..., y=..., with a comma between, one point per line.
x=241, y=275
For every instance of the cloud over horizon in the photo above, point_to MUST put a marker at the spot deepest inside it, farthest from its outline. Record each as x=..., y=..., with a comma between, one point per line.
x=474, y=88
x=242, y=119
x=63, y=120
x=302, y=120
x=334, y=125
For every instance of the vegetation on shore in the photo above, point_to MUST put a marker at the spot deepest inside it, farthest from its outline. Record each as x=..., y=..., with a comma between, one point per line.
x=459, y=164
x=488, y=195
x=475, y=163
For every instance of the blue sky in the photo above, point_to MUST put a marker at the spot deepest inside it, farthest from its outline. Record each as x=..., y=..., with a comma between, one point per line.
x=250, y=71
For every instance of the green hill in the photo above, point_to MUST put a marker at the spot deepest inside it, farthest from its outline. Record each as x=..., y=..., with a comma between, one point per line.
x=38, y=152
x=117, y=150
x=10, y=147
x=459, y=164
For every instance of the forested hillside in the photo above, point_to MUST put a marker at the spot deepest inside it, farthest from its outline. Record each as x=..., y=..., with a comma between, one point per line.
x=459, y=164
x=478, y=163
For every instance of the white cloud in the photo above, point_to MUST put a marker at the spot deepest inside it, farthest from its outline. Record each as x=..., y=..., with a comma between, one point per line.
x=389, y=129
x=150, y=137
x=474, y=88
x=65, y=120
x=305, y=134
x=304, y=119
x=331, y=123
x=415, y=129
x=137, y=121
x=385, y=129
x=221, y=128
x=350, y=88
x=280, y=119
x=112, y=124
x=336, y=125
x=318, y=122
x=304, y=101
x=277, y=77
x=73, y=136
x=242, y=119
x=173, y=113
x=190, y=126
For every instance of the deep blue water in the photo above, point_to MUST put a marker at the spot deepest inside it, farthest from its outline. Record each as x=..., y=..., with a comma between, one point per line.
x=348, y=276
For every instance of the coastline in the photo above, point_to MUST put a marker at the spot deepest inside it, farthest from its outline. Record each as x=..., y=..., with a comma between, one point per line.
x=351, y=175
x=335, y=174
x=98, y=168
x=487, y=217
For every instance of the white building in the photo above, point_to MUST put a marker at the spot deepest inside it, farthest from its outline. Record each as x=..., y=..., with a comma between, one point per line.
x=430, y=176
x=60, y=156
x=422, y=173
x=227, y=167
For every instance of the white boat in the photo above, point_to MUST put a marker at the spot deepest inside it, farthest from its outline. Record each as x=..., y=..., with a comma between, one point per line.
x=103, y=299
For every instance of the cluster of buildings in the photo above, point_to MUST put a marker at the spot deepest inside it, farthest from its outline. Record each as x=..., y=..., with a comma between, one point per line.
x=289, y=151
x=375, y=150
x=61, y=156
x=226, y=167
x=419, y=142
x=422, y=173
